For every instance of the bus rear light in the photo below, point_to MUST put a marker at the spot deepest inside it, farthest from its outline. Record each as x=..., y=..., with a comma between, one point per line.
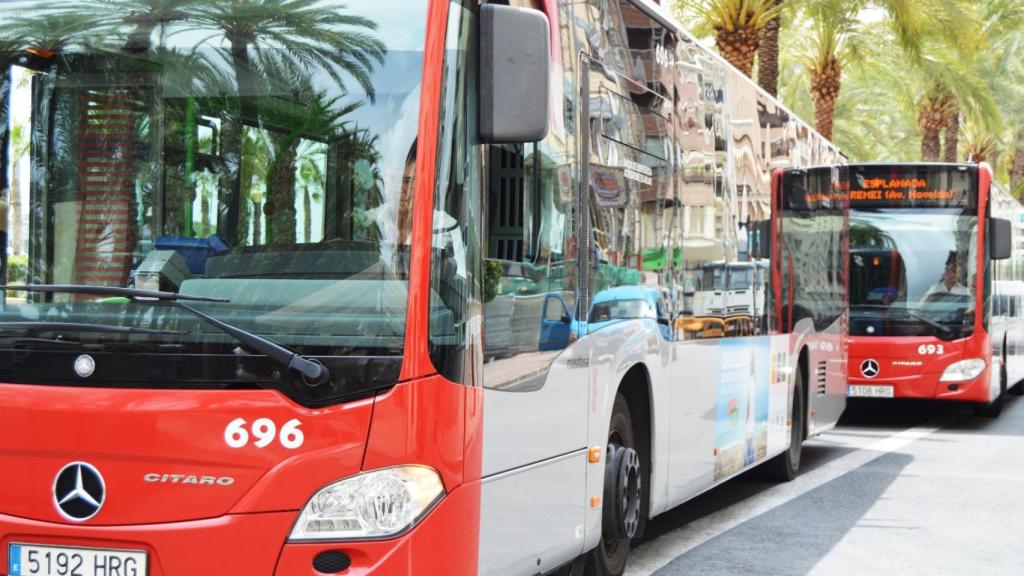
x=963, y=370
x=376, y=504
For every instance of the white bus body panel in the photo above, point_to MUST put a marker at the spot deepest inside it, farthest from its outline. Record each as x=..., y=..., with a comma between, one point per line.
x=534, y=461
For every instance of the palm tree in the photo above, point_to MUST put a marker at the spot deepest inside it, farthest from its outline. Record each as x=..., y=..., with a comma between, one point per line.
x=311, y=178
x=324, y=117
x=979, y=144
x=839, y=39
x=951, y=88
x=256, y=160
x=827, y=50
x=130, y=22
x=1003, y=69
x=933, y=111
x=48, y=31
x=768, y=55
x=737, y=26
x=274, y=42
x=950, y=85
x=20, y=146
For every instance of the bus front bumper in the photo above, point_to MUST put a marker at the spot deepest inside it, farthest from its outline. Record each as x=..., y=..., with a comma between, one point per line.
x=443, y=543
x=926, y=386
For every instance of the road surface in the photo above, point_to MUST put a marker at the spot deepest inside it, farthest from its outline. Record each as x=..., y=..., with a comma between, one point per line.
x=899, y=488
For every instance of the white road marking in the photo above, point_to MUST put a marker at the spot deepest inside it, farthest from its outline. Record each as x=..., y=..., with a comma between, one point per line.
x=659, y=552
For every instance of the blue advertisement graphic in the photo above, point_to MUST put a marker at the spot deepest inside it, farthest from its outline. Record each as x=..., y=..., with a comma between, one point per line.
x=741, y=418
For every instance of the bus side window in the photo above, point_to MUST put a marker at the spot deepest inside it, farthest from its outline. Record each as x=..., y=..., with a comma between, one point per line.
x=530, y=257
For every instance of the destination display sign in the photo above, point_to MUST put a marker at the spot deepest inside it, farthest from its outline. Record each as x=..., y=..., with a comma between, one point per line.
x=907, y=186
x=817, y=189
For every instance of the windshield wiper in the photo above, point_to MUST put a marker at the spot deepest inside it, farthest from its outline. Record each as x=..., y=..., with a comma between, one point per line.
x=933, y=323
x=909, y=312
x=79, y=327
x=313, y=372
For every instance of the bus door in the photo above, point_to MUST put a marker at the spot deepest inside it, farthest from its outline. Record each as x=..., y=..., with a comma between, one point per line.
x=535, y=372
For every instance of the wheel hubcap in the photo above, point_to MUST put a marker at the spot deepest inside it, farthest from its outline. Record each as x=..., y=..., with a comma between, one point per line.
x=630, y=477
x=622, y=490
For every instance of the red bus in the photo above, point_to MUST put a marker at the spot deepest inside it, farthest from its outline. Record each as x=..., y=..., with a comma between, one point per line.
x=364, y=287
x=923, y=244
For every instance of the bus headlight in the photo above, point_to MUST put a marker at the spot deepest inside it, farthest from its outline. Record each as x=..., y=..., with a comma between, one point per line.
x=963, y=370
x=375, y=504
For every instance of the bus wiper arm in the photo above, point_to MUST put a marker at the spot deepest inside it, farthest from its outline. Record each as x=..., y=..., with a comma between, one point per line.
x=111, y=291
x=937, y=325
x=43, y=326
x=313, y=373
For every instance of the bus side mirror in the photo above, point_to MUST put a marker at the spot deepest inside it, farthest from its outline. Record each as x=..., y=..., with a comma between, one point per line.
x=514, y=74
x=1001, y=239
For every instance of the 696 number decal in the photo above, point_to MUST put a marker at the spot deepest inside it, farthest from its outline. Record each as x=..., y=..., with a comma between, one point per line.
x=265, y=431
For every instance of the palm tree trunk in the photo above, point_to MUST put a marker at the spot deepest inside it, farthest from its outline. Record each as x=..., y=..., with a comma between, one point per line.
x=952, y=146
x=738, y=47
x=768, y=55
x=204, y=213
x=257, y=223
x=232, y=140
x=825, y=86
x=931, y=144
x=15, y=226
x=139, y=40
x=307, y=219
x=5, y=88
x=5, y=134
x=931, y=118
x=281, y=191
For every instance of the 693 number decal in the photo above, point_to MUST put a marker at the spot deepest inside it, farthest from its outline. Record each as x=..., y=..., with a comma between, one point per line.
x=931, y=349
x=265, y=431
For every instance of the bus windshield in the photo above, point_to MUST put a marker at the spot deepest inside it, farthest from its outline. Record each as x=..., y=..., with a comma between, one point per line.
x=261, y=157
x=913, y=271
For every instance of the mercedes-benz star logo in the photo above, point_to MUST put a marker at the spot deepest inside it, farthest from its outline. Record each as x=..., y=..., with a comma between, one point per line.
x=869, y=368
x=78, y=491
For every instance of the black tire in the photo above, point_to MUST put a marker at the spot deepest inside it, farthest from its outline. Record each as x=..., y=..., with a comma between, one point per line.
x=786, y=466
x=622, y=495
x=994, y=408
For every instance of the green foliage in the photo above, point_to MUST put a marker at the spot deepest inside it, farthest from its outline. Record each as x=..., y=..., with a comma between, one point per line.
x=17, y=269
x=731, y=15
x=492, y=279
x=895, y=55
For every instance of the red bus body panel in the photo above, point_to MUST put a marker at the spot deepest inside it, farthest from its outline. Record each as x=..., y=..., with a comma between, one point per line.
x=916, y=375
x=196, y=529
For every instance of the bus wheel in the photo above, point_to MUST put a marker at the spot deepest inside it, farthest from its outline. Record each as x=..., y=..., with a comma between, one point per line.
x=785, y=466
x=994, y=408
x=623, y=481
